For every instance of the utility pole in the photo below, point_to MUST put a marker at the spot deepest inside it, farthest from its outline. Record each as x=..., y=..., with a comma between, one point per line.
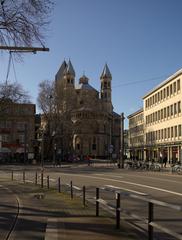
x=121, y=159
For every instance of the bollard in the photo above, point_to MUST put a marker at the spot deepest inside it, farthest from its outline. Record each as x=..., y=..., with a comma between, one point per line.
x=71, y=189
x=24, y=176
x=35, y=178
x=150, y=219
x=97, y=202
x=118, y=210
x=59, y=184
x=12, y=177
x=47, y=182
x=42, y=180
x=84, y=199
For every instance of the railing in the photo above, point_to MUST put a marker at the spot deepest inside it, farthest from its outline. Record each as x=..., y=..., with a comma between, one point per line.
x=114, y=209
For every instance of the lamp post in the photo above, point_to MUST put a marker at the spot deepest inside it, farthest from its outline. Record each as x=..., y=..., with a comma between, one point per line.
x=42, y=151
x=121, y=159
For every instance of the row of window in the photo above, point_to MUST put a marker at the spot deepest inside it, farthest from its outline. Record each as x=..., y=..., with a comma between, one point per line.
x=5, y=138
x=163, y=134
x=10, y=124
x=136, y=120
x=161, y=95
x=164, y=113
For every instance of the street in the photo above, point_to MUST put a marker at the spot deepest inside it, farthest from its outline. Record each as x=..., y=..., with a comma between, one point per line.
x=161, y=186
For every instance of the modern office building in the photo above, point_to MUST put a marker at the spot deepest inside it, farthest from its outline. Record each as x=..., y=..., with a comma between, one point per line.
x=162, y=122
x=136, y=135
x=163, y=119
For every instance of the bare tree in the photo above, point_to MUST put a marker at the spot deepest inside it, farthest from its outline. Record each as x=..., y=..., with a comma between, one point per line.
x=13, y=92
x=22, y=22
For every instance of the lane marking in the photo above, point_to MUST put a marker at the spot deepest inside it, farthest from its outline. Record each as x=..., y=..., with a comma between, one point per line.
x=127, y=182
x=126, y=189
x=155, y=178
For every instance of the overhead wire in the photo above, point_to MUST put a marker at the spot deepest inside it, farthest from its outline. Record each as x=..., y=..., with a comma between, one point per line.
x=140, y=81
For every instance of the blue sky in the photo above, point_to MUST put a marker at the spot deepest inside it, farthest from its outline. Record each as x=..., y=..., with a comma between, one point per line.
x=141, y=40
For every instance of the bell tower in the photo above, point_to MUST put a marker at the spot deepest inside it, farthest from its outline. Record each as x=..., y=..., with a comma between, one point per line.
x=105, y=90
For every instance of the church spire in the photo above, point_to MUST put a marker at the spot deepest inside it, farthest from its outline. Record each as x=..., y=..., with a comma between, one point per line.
x=106, y=73
x=70, y=70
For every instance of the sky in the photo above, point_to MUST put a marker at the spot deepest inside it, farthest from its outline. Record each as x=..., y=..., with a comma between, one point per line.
x=140, y=40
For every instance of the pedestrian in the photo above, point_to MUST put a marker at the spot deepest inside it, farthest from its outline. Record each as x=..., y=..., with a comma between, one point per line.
x=165, y=161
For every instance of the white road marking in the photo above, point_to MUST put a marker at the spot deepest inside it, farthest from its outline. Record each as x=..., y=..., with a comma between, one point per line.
x=127, y=182
x=126, y=189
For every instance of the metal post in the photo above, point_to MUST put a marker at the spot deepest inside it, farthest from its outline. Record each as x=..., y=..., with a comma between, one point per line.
x=118, y=210
x=24, y=176
x=84, y=202
x=121, y=159
x=12, y=175
x=59, y=184
x=150, y=219
x=42, y=151
x=71, y=189
x=42, y=179
x=25, y=144
x=97, y=202
x=35, y=178
x=48, y=182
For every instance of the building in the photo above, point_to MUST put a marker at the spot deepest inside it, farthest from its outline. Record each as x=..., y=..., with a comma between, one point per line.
x=163, y=119
x=162, y=122
x=88, y=124
x=136, y=135
x=17, y=131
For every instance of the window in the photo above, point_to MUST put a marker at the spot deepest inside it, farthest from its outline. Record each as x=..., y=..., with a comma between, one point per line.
x=168, y=111
x=162, y=134
x=167, y=91
x=168, y=132
x=175, y=109
x=158, y=96
x=179, y=130
x=164, y=112
x=174, y=87
x=171, y=110
x=164, y=93
x=179, y=106
x=165, y=133
x=78, y=146
x=172, y=132
x=5, y=138
x=171, y=89
x=161, y=95
x=178, y=85
x=161, y=114
x=175, y=131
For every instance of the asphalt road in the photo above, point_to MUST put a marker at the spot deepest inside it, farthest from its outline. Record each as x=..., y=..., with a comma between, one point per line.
x=162, y=186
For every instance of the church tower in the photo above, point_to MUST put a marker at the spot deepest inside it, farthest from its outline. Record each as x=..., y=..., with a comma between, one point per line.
x=69, y=76
x=105, y=90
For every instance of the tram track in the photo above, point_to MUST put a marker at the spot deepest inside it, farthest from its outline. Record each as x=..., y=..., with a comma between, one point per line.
x=13, y=221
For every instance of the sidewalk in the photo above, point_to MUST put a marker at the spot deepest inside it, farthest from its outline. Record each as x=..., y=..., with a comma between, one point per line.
x=67, y=219
x=81, y=223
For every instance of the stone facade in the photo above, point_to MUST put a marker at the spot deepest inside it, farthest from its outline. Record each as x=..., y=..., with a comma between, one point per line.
x=89, y=124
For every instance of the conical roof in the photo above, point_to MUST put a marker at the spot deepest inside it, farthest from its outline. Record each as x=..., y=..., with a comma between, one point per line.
x=106, y=72
x=70, y=69
x=61, y=70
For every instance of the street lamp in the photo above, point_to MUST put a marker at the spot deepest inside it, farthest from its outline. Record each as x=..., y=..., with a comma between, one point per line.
x=121, y=159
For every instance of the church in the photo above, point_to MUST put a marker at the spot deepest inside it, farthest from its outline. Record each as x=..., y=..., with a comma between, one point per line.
x=89, y=125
